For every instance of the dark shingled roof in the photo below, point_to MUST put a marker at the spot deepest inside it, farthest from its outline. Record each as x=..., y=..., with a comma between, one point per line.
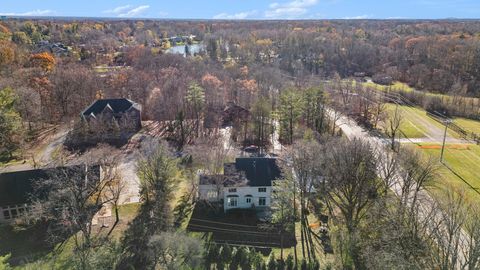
x=118, y=105
x=259, y=171
x=16, y=187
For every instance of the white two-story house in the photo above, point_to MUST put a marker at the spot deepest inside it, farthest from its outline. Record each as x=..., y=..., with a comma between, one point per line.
x=247, y=183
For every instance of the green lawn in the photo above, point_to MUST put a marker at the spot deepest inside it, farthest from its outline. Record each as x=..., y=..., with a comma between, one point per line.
x=417, y=124
x=399, y=86
x=468, y=124
x=465, y=163
x=396, y=86
x=29, y=246
x=23, y=243
x=408, y=126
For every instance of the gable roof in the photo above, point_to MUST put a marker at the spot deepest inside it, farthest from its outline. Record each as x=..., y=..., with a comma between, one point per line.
x=260, y=171
x=117, y=105
x=16, y=187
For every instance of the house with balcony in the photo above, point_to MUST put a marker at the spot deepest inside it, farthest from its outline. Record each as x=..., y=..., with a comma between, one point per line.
x=246, y=183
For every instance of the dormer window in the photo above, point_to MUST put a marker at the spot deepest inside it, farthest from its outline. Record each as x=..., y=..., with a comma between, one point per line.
x=232, y=190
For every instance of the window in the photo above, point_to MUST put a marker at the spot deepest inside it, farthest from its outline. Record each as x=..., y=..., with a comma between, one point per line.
x=14, y=213
x=232, y=190
x=232, y=201
x=248, y=200
x=262, y=201
x=6, y=214
x=262, y=189
x=212, y=194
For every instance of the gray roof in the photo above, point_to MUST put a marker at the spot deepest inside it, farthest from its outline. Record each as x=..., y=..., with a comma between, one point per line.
x=16, y=187
x=251, y=171
x=117, y=105
x=260, y=171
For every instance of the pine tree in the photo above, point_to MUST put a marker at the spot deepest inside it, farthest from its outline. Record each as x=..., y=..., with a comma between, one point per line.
x=289, y=263
x=272, y=263
x=290, y=109
x=10, y=124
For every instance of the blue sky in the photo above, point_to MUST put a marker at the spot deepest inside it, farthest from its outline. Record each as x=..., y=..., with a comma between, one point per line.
x=247, y=9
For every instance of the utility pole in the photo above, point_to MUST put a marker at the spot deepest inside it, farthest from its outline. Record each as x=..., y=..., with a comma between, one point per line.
x=447, y=122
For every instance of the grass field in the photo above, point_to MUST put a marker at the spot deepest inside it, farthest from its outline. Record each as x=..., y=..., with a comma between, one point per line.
x=399, y=86
x=461, y=172
x=416, y=123
x=462, y=160
x=410, y=126
x=468, y=124
x=396, y=86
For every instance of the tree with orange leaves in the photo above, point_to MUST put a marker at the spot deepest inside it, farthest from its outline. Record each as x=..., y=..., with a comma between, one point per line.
x=5, y=34
x=7, y=53
x=44, y=60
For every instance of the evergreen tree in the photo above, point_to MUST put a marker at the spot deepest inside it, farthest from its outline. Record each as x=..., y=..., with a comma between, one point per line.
x=195, y=98
x=289, y=263
x=290, y=109
x=10, y=124
x=272, y=263
x=304, y=265
x=261, y=121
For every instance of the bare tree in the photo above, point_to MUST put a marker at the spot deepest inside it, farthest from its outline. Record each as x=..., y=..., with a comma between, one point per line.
x=350, y=185
x=393, y=126
x=70, y=198
x=448, y=235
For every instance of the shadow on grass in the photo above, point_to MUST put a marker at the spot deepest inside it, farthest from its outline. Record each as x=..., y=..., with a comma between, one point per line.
x=25, y=244
x=461, y=178
x=238, y=227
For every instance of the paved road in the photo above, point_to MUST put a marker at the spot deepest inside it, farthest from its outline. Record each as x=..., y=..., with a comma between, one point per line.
x=426, y=203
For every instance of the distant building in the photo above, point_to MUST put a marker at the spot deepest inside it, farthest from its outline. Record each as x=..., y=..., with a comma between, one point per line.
x=247, y=183
x=234, y=113
x=111, y=121
x=17, y=187
x=122, y=112
x=57, y=49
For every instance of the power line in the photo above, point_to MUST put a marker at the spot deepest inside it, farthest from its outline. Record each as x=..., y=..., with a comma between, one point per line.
x=395, y=97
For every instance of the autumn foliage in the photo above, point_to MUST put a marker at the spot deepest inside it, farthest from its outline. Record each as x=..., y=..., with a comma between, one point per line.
x=44, y=60
x=7, y=53
x=4, y=29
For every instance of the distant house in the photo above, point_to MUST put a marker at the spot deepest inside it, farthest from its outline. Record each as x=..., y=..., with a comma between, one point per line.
x=382, y=79
x=17, y=187
x=234, y=113
x=111, y=121
x=247, y=183
x=124, y=113
x=57, y=49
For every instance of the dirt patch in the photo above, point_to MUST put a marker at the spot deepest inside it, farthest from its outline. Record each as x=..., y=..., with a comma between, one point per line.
x=454, y=146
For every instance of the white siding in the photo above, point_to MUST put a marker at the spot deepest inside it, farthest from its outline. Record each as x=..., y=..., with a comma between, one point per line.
x=210, y=193
x=242, y=193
